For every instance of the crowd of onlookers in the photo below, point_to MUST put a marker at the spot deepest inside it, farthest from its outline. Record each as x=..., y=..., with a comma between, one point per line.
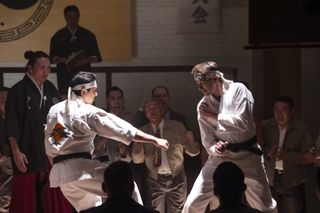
x=164, y=177
x=286, y=153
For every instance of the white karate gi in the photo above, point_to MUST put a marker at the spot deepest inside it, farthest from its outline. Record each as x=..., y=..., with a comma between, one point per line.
x=80, y=179
x=235, y=124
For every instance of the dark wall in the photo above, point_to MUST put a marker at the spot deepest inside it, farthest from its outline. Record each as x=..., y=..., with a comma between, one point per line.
x=284, y=21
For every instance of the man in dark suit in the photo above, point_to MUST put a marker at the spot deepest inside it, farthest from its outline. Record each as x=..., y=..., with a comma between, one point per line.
x=118, y=184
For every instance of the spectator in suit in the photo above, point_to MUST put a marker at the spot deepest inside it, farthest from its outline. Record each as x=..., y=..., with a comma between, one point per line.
x=118, y=184
x=161, y=93
x=229, y=187
x=166, y=178
x=287, y=145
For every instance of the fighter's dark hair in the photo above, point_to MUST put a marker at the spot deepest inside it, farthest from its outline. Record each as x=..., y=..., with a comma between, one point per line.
x=81, y=78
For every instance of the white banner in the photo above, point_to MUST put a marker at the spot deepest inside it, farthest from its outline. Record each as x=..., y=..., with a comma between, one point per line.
x=198, y=16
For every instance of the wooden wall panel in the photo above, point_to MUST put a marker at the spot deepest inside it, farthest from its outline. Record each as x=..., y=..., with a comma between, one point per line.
x=110, y=20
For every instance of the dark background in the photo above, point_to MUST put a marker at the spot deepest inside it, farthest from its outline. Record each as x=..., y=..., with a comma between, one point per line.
x=284, y=21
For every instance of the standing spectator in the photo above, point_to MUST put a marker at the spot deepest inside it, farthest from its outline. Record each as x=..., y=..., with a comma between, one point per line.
x=27, y=106
x=118, y=184
x=165, y=178
x=229, y=187
x=161, y=93
x=287, y=144
x=70, y=131
x=5, y=160
x=115, y=150
x=227, y=127
x=72, y=48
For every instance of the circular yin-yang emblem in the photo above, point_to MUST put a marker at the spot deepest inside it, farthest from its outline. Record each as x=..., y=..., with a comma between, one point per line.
x=18, y=18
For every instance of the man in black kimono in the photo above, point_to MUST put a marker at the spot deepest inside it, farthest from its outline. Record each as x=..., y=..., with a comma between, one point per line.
x=27, y=106
x=72, y=48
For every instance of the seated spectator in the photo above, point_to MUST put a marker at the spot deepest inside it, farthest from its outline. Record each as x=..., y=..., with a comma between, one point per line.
x=5, y=160
x=118, y=185
x=229, y=187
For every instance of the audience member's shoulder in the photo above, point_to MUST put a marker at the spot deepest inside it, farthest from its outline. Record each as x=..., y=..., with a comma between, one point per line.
x=60, y=32
x=86, y=31
x=268, y=123
x=50, y=85
x=17, y=86
x=177, y=116
x=174, y=123
x=300, y=125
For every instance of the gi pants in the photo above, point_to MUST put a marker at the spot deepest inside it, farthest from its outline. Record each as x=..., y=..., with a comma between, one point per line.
x=87, y=193
x=258, y=193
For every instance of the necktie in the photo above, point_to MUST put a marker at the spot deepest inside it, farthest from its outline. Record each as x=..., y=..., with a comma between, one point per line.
x=157, y=151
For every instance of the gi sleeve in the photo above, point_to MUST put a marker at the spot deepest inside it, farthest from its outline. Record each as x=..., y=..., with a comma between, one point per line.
x=111, y=126
x=207, y=126
x=240, y=117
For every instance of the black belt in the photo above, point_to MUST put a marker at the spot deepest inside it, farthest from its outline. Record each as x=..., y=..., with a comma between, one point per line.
x=247, y=145
x=278, y=171
x=60, y=158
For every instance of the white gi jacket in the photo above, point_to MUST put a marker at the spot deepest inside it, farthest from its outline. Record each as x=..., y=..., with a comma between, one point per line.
x=74, y=133
x=234, y=124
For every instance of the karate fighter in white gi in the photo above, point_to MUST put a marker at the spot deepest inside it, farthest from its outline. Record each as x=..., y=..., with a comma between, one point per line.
x=71, y=128
x=225, y=116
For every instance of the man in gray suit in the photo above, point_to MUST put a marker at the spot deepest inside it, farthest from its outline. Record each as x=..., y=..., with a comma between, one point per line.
x=287, y=145
x=165, y=177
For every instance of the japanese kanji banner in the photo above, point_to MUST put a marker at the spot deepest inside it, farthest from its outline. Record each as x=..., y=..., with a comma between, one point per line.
x=198, y=16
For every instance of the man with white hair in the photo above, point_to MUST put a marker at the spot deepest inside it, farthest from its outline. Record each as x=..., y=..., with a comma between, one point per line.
x=225, y=116
x=71, y=128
